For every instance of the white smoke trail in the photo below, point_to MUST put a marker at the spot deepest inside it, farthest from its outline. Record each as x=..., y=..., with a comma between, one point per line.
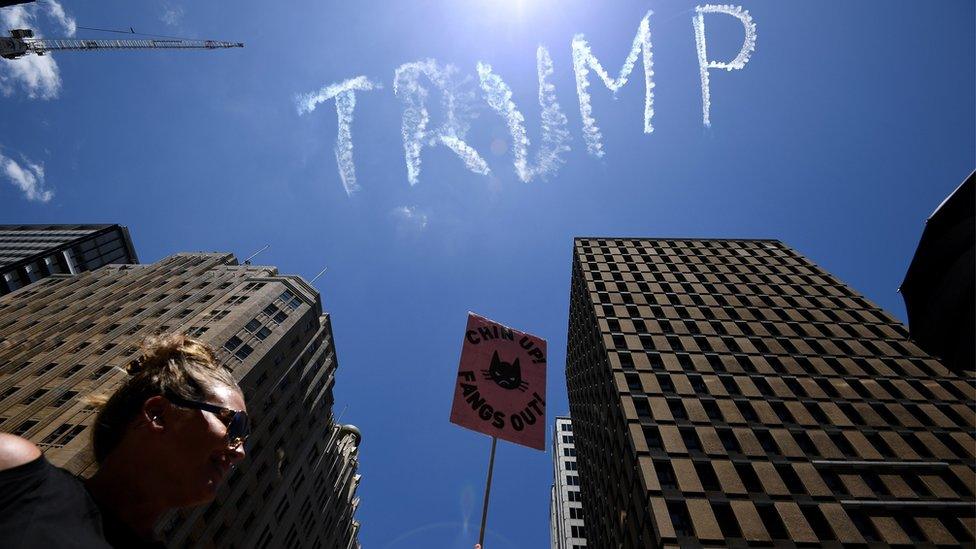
x=416, y=118
x=472, y=160
x=583, y=60
x=555, y=136
x=344, y=94
x=748, y=46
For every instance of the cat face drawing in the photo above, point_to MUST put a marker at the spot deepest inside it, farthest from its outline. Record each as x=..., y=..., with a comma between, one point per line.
x=507, y=376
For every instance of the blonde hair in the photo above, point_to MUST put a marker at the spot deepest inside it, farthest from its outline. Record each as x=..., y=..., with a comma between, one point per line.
x=173, y=363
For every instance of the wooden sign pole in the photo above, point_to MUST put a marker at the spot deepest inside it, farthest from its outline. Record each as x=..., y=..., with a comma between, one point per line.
x=484, y=510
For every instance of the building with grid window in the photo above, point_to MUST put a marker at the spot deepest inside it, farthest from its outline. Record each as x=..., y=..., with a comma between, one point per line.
x=65, y=337
x=731, y=392
x=29, y=253
x=566, y=526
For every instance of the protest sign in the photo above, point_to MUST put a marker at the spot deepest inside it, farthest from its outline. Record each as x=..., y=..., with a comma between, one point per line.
x=501, y=383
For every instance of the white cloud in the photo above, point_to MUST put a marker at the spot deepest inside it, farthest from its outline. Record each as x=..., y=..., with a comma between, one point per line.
x=748, y=46
x=28, y=177
x=56, y=12
x=555, y=136
x=36, y=75
x=172, y=15
x=584, y=60
x=409, y=218
x=455, y=104
x=345, y=95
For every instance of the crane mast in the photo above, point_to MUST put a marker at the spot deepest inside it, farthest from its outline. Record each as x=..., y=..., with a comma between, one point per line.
x=21, y=42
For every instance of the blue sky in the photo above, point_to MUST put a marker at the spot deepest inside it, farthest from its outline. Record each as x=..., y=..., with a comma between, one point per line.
x=848, y=125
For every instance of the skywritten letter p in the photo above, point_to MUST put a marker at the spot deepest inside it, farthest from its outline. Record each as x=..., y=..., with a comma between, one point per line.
x=748, y=46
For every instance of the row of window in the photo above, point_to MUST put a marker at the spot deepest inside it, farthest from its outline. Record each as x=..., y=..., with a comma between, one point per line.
x=781, y=480
x=691, y=306
x=642, y=284
x=808, y=523
x=790, y=387
x=809, y=444
x=786, y=365
x=642, y=328
x=767, y=345
x=256, y=327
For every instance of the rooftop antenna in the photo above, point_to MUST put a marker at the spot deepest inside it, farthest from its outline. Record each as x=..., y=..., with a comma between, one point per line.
x=322, y=272
x=252, y=256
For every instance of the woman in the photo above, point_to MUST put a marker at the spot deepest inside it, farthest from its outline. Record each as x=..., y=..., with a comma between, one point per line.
x=165, y=439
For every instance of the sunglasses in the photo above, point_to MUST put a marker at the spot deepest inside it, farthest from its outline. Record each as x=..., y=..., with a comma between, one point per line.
x=236, y=421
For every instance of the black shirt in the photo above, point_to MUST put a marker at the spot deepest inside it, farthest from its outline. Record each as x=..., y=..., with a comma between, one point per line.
x=45, y=506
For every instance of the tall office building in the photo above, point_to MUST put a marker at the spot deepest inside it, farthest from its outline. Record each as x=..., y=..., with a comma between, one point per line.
x=731, y=392
x=65, y=337
x=939, y=286
x=566, y=525
x=29, y=253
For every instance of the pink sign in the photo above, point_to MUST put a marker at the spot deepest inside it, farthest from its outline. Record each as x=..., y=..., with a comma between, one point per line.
x=501, y=383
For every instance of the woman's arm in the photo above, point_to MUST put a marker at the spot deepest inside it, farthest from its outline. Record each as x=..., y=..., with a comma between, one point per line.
x=16, y=451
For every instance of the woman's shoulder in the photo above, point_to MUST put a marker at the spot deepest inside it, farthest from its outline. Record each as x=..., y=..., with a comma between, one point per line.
x=16, y=451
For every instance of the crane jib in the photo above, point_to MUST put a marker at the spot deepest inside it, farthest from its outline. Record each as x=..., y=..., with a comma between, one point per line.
x=21, y=42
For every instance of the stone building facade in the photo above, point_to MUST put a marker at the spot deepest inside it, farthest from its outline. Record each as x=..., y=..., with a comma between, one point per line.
x=67, y=336
x=731, y=392
x=29, y=253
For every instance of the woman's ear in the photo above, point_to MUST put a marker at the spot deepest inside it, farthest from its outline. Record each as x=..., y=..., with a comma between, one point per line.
x=154, y=412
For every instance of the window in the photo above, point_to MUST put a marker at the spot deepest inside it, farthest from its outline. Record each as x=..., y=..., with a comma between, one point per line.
x=680, y=518
x=766, y=441
x=712, y=410
x=653, y=438
x=253, y=325
x=677, y=409
x=665, y=475
x=232, y=343
x=691, y=440
x=707, y=477
x=569, y=452
x=280, y=317
x=664, y=380
x=774, y=525
x=63, y=434
x=24, y=427
x=101, y=371
x=818, y=522
x=65, y=398
x=270, y=310
x=727, y=520
x=196, y=331
x=748, y=476
x=244, y=352
x=729, y=441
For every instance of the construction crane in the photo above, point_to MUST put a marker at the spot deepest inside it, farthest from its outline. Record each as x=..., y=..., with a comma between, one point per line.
x=21, y=42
